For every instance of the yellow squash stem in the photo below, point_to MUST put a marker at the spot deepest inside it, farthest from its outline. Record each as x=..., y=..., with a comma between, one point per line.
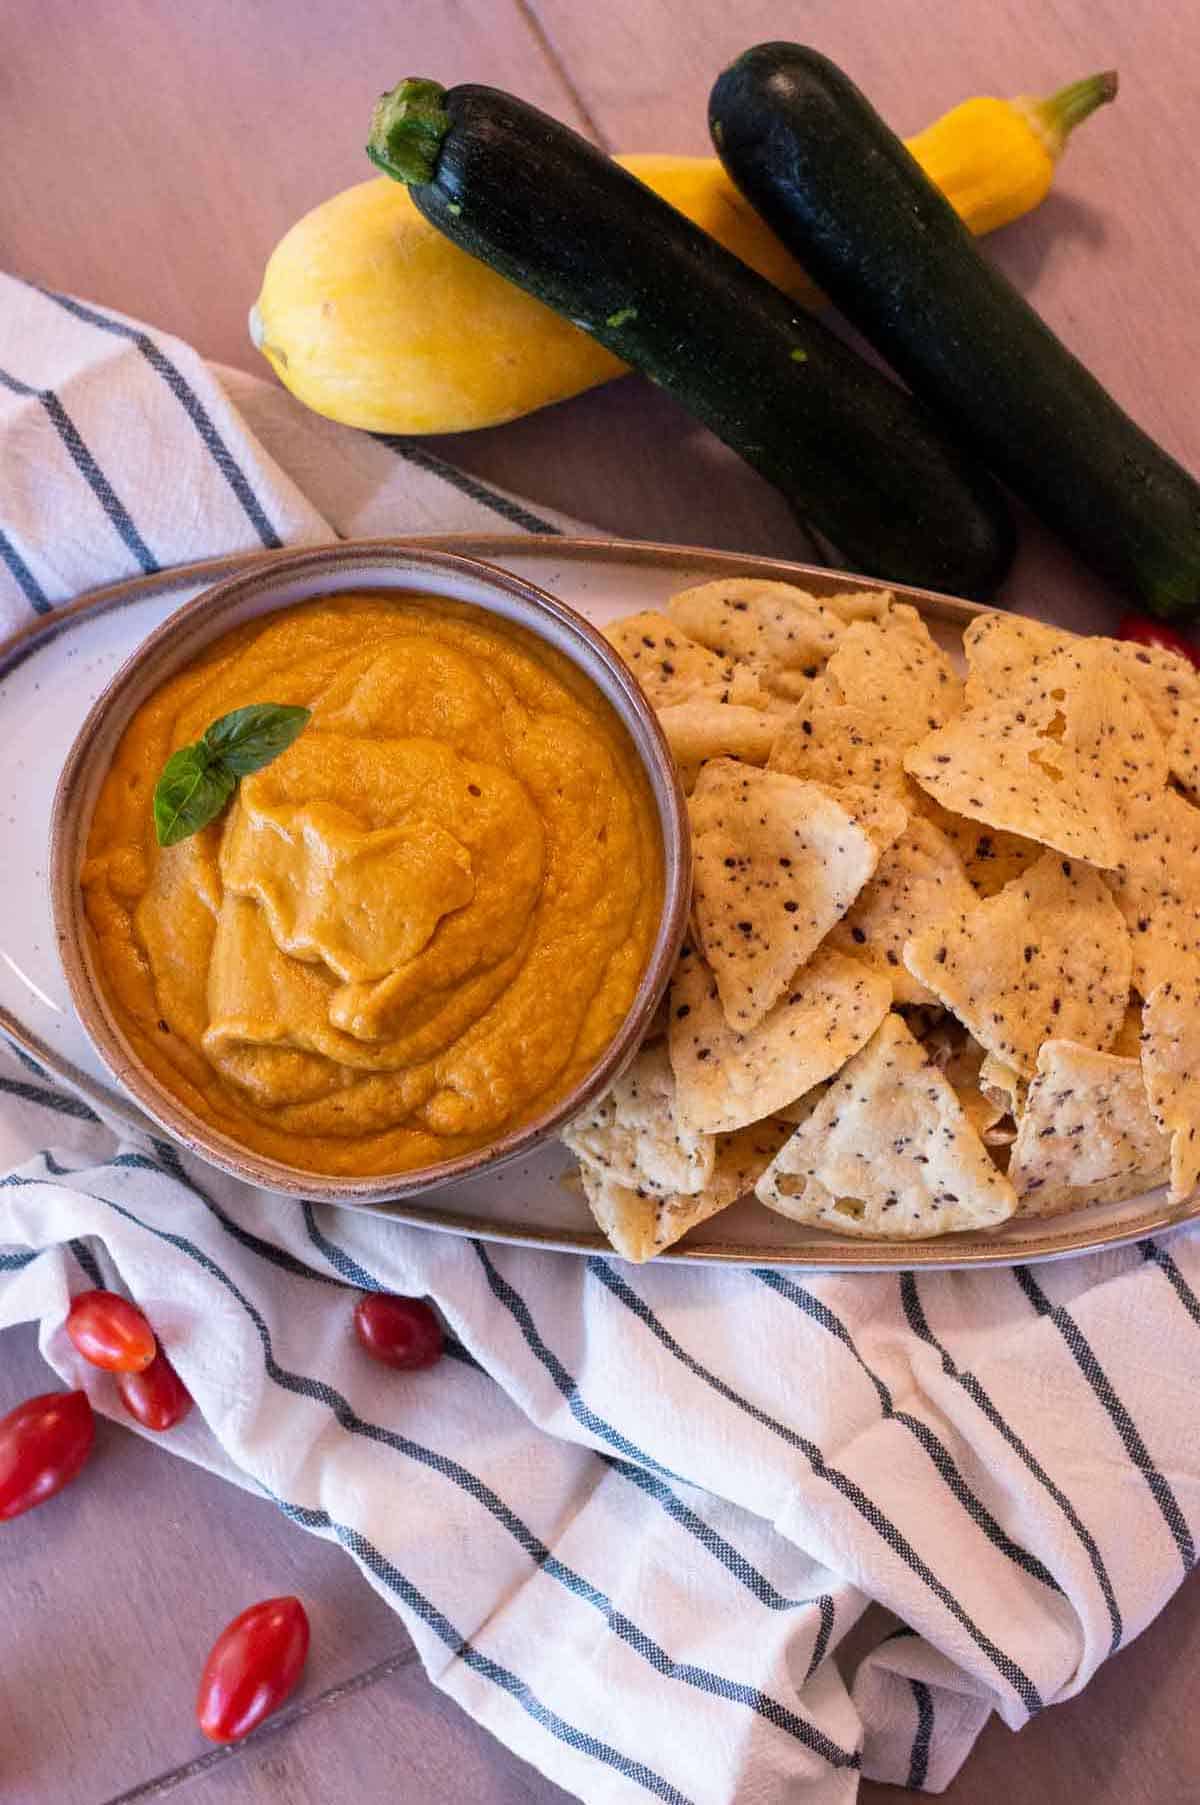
x=372, y=318
x=994, y=159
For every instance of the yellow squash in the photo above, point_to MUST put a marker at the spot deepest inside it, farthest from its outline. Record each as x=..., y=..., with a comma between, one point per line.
x=369, y=316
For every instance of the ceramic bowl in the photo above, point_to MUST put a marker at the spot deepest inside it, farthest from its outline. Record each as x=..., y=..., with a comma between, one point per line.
x=382, y=566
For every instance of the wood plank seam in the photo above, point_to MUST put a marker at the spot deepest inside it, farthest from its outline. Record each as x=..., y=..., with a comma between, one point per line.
x=162, y=1784
x=544, y=39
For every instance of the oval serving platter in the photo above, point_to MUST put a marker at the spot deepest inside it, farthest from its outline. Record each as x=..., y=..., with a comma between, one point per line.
x=53, y=670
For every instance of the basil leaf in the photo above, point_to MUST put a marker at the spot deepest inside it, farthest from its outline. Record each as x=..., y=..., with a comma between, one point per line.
x=197, y=781
x=191, y=792
x=250, y=738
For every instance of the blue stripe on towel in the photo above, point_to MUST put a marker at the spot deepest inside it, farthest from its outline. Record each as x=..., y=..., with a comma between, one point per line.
x=1119, y=1416
x=24, y=578
x=866, y=1507
x=88, y=468
x=936, y=1449
x=190, y=402
x=915, y=1315
x=918, y=1766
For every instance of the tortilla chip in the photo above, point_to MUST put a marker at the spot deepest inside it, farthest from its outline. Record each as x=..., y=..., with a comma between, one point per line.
x=1171, y=1070
x=826, y=742
x=784, y=634
x=1048, y=957
x=1001, y=648
x=1087, y=1134
x=777, y=862
x=1002, y=1085
x=1056, y=761
x=633, y=1134
x=860, y=604
x=994, y=1126
x=881, y=817
x=893, y=671
x=669, y=666
x=1157, y=887
x=990, y=857
x=1183, y=749
x=703, y=729
x=917, y=880
x=794, y=1113
x=888, y=1151
x=726, y=1080
x=886, y=684
x=640, y=1223
x=960, y=1057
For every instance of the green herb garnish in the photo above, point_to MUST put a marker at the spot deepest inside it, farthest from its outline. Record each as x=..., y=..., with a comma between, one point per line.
x=197, y=781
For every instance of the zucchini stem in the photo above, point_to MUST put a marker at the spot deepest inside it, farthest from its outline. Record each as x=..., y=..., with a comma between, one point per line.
x=1055, y=118
x=407, y=128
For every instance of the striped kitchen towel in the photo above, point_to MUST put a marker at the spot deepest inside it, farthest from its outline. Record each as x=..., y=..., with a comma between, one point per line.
x=633, y=1518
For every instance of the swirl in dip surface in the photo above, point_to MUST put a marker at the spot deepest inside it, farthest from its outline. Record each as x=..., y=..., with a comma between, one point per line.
x=415, y=930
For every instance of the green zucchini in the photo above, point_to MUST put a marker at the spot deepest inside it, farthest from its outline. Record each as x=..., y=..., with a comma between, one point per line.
x=856, y=456
x=839, y=188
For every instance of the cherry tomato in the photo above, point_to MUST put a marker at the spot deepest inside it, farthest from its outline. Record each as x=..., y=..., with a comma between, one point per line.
x=44, y=1443
x=157, y=1398
x=254, y=1665
x=111, y=1332
x=398, y=1331
x=1147, y=632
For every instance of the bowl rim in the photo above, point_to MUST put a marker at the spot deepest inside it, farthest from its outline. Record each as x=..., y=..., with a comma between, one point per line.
x=197, y=624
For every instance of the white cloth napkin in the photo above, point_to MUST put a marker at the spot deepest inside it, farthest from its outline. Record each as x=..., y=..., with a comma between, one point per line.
x=631, y=1518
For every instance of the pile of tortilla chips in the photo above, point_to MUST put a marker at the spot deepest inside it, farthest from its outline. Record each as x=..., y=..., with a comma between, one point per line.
x=944, y=961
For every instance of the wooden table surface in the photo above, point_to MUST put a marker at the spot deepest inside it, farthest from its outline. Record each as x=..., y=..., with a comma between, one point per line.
x=153, y=153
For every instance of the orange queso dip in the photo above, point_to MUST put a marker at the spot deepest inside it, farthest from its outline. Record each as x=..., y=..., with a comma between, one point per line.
x=419, y=926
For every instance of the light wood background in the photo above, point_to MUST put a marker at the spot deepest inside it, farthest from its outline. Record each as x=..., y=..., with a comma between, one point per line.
x=151, y=154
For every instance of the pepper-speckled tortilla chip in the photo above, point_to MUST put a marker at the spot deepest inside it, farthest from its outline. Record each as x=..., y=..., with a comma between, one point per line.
x=1049, y=957
x=669, y=666
x=990, y=857
x=1086, y=1134
x=1001, y=648
x=1183, y=749
x=726, y=1080
x=1171, y=1070
x=777, y=862
x=961, y=1058
x=784, y=634
x=919, y=879
x=1057, y=760
x=634, y=1133
x=641, y=1223
x=701, y=729
x=886, y=684
x=893, y=671
x=888, y=1151
x=827, y=742
x=794, y=1113
x=1157, y=887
